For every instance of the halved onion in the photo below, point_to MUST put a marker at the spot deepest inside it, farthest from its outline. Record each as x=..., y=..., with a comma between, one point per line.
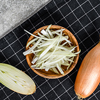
x=16, y=80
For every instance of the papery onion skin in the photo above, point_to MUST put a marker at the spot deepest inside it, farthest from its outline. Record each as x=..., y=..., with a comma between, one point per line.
x=88, y=76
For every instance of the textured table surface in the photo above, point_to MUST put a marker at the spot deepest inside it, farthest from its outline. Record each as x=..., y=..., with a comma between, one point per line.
x=82, y=18
x=13, y=12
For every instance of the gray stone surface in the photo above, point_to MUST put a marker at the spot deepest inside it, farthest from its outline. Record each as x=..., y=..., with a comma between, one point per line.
x=13, y=12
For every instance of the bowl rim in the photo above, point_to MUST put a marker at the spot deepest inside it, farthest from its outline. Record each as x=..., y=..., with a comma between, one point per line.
x=71, y=67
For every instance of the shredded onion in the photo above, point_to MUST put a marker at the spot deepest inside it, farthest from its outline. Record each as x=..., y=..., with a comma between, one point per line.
x=50, y=52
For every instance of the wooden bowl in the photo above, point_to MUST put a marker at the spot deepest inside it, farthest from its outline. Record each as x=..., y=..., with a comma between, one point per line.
x=50, y=74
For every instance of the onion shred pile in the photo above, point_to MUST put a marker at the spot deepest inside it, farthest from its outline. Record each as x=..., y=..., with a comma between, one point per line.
x=51, y=49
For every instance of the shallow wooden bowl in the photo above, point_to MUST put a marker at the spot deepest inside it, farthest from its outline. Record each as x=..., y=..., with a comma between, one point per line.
x=50, y=74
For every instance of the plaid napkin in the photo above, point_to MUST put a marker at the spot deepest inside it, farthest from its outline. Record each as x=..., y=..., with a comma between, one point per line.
x=82, y=18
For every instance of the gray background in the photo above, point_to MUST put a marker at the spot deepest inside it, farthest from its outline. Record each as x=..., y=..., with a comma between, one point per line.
x=13, y=12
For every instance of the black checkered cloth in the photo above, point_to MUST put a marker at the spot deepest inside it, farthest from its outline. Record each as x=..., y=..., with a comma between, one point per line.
x=82, y=18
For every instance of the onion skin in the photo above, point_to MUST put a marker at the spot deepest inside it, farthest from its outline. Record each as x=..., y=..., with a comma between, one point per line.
x=88, y=76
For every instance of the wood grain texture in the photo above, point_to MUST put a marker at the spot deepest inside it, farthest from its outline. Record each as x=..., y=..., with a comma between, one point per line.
x=50, y=74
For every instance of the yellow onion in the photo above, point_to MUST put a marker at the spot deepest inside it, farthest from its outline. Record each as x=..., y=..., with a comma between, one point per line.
x=88, y=76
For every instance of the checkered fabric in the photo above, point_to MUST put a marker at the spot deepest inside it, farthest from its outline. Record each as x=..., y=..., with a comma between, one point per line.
x=82, y=18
